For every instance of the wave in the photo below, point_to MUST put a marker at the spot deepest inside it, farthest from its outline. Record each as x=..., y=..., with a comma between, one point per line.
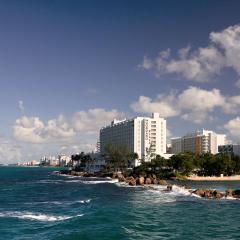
x=99, y=181
x=37, y=216
x=61, y=202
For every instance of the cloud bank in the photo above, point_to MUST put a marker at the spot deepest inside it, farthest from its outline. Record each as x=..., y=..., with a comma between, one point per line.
x=201, y=64
x=193, y=104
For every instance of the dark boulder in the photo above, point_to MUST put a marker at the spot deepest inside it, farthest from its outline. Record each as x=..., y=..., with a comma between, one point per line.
x=148, y=181
x=229, y=192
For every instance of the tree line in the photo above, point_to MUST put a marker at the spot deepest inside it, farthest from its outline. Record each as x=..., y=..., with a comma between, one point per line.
x=119, y=158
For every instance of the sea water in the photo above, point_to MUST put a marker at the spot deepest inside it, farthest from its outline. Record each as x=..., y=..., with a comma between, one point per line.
x=36, y=203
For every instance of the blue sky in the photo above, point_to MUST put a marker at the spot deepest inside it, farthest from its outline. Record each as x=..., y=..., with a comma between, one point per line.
x=90, y=61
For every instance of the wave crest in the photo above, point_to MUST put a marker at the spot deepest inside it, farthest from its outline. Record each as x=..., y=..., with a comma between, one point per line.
x=36, y=216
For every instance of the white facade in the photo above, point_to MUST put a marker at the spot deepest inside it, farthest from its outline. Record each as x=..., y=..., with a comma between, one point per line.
x=141, y=135
x=198, y=142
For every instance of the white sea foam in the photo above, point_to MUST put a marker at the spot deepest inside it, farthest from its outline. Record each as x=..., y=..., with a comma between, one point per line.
x=177, y=190
x=37, y=216
x=60, y=202
x=100, y=181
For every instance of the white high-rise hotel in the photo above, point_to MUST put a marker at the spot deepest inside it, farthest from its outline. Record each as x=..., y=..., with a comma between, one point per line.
x=140, y=135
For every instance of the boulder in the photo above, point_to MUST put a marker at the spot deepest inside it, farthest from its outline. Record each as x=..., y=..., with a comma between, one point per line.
x=208, y=194
x=120, y=177
x=169, y=188
x=217, y=194
x=148, y=181
x=162, y=182
x=140, y=181
x=199, y=192
x=229, y=192
x=236, y=193
x=128, y=179
x=132, y=182
x=154, y=181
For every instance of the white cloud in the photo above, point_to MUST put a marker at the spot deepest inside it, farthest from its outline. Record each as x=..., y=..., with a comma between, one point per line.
x=193, y=104
x=35, y=130
x=229, y=40
x=92, y=120
x=162, y=104
x=232, y=105
x=9, y=153
x=233, y=127
x=202, y=64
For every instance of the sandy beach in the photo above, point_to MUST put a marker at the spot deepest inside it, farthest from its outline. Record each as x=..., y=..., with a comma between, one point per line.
x=214, y=178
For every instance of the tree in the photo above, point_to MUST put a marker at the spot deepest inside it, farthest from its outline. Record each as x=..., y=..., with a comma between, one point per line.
x=118, y=157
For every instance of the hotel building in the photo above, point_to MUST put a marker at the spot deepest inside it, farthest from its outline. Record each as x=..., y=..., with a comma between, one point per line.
x=198, y=142
x=141, y=135
x=230, y=149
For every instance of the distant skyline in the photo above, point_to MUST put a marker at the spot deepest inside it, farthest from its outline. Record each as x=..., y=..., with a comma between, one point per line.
x=67, y=68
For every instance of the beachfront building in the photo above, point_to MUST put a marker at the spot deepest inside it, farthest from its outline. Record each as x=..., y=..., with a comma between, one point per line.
x=198, y=142
x=142, y=135
x=230, y=149
x=64, y=160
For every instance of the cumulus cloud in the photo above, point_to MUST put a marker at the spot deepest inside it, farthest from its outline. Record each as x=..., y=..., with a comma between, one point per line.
x=92, y=120
x=193, y=104
x=9, y=153
x=35, y=130
x=201, y=64
x=162, y=104
x=233, y=127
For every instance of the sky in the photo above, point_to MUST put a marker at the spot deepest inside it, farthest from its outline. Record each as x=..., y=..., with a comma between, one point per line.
x=68, y=67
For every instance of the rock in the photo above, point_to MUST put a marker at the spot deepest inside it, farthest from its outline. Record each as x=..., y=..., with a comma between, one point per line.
x=169, y=188
x=120, y=177
x=140, y=181
x=229, y=192
x=132, y=182
x=199, y=192
x=154, y=181
x=217, y=194
x=115, y=175
x=236, y=193
x=162, y=182
x=148, y=181
x=208, y=194
x=128, y=179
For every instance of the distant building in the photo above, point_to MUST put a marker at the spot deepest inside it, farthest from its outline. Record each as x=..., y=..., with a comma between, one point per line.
x=142, y=135
x=64, y=160
x=230, y=149
x=49, y=161
x=198, y=142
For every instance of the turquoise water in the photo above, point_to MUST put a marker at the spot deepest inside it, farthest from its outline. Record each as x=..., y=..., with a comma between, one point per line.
x=37, y=204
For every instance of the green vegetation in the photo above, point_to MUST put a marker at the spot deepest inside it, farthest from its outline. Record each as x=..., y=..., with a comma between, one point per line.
x=178, y=166
x=118, y=158
x=184, y=164
x=80, y=161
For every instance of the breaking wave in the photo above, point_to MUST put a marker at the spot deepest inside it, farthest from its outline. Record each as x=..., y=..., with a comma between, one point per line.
x=36, y=216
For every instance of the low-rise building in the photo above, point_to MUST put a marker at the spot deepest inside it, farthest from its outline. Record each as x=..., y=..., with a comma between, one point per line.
x=230, y=149
x=198, y=142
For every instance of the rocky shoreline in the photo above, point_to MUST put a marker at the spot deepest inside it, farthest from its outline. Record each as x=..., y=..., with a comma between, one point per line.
x=151, y=180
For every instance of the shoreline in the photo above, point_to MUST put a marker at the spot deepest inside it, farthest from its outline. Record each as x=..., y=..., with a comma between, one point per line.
x=208, y=178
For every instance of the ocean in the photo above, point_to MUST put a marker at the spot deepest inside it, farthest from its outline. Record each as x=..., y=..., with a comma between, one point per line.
x=37, y=204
